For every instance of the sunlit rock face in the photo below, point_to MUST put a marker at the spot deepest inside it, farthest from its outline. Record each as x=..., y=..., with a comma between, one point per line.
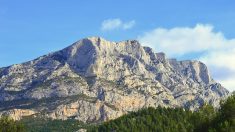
x=95, y=80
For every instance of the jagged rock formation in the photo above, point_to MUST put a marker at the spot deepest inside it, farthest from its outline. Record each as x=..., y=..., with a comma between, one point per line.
x=96, y=80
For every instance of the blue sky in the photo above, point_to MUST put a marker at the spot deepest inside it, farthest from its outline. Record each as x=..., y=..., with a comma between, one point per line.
x=30, y=28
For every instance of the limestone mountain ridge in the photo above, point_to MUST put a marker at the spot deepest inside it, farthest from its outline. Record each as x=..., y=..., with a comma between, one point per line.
x=96, y=80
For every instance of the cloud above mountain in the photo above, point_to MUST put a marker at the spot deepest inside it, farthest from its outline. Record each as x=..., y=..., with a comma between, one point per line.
x=211, y=47
x=114, y=24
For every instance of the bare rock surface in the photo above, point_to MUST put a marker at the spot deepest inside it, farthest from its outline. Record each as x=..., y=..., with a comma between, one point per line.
x=96, y=80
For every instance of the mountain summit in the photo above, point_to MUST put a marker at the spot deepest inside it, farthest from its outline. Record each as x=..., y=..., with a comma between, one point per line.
x=96, y=80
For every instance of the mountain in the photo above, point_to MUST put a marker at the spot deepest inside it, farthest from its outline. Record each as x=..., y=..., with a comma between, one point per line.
x=96, y=80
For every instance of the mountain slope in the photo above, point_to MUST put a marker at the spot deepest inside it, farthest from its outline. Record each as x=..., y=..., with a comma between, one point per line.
x=96, y=80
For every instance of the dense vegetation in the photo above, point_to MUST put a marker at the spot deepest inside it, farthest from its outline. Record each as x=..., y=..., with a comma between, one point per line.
x=9, y=125
x=47, y=125
x=207, y=119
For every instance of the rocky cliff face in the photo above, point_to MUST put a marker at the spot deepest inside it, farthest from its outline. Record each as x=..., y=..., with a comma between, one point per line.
x=96, y=80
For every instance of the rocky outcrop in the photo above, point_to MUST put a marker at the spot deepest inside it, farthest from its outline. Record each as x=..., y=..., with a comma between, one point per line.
x=17, y=114
x=95, y=80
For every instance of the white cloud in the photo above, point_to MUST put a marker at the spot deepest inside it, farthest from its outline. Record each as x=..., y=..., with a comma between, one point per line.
x=182, y=40
x=128, y=25
x=219, y=52
x=112, y=24
x=229, y=83
x=221, y=58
